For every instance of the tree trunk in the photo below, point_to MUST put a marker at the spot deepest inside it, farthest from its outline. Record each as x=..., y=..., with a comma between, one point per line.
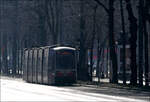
x=91, y=62
x=98, y=59
x=140, y=42
x=113, y=55
x=124, y=42
x=53, y=13
x=14, y=54
x=82, y=70
x=133, y=39
x=92, y=43
x=146, y=42
x=15, y=38
x=5, y=52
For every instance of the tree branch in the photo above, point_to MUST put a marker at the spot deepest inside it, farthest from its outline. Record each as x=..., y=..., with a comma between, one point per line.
x=101, y=4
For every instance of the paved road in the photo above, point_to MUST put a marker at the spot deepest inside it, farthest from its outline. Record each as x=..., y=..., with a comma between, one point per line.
x=18, y=90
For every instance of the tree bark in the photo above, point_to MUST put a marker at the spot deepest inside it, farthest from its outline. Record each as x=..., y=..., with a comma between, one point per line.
x=15, y=36
x=98, y=59
x=133, y=39
x=92, y=43
x=113, y=55
x=53, y=13
x=146, y=42
x=124, y=42
x=140, y=42
x=82, y=70
x=5, y=52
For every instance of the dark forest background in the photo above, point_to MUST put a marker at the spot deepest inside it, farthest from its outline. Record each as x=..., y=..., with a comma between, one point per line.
x=89, y=25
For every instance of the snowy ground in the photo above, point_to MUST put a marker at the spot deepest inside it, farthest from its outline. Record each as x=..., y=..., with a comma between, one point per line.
x=18, y=90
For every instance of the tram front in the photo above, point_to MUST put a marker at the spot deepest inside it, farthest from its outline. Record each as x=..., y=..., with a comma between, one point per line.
x=65, y=70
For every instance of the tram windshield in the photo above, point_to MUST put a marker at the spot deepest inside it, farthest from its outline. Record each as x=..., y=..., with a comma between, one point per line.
x=65, y=60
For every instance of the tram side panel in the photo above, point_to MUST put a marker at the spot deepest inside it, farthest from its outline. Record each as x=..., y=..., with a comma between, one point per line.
x=25, y=65
x=36, y=62
x=47, y=56
x=51, y=67
x=39, y=66
x=42, y=64
x=45, y=65
x=34, y=65
x=30, y=67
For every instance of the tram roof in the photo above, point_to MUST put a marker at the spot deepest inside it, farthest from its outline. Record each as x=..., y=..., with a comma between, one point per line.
x=55, y=47
x=61, y=48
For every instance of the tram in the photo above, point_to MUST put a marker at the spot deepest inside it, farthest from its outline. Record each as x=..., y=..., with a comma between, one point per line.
x=50, y=65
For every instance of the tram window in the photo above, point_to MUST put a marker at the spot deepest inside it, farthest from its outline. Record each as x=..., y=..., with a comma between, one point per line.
x=65, y=60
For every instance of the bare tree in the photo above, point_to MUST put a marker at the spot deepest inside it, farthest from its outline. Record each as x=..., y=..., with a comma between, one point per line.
x=124, y=41
x=146, y=8
x=82, y=72
x=133, y=39
x=140, y=42
x=92, y=42
x=52, y=18
x=113, y=56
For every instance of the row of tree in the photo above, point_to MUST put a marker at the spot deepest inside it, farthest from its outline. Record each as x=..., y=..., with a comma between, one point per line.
x=82, y=23
x=137, y=31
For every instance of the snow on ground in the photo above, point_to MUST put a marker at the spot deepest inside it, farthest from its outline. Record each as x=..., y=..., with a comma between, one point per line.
x=14, y=90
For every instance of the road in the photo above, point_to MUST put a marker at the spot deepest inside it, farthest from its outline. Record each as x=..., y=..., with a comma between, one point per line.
x=18, y=90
